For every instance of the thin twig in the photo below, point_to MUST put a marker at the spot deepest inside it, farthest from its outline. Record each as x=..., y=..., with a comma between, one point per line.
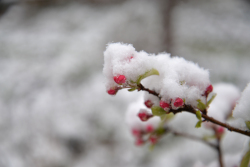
x=190, y=109
x=219, y=152
x=192, y=137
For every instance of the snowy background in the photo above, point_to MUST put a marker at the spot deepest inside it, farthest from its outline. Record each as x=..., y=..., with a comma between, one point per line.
x=54, y=111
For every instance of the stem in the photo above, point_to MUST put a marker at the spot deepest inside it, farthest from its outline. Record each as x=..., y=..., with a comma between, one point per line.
x=211, y=119
x=215, y=146
x=192, y=137
x=190, y=109
x=218, y=137
x=141, y=87
x=219, y=152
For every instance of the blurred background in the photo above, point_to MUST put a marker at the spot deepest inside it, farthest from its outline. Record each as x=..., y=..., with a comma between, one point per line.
x=54, y=109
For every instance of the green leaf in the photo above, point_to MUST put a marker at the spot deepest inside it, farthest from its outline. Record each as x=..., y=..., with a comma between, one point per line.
x=201, y=105
x=147, y=74
x=132, y=89
x=211, y=99
x=158, y=111
x=198, y=115
x=168, y=116
x=247, y=124
x=245, y=159
x=133, y=82
x=182, y=82
x=198, y=125
x=207, y=137
x=160, y=131
x=151, y=147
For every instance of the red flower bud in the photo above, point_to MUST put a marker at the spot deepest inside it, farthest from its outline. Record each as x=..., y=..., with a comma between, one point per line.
x=209, y=90
x=149, y=103
x=164, y=105
x=139, y=142
x=153, y=139
x=149, y=128
x=220, y=130
x=144, y=115
x=136, y=132
x=120, y=79
x=178, y=102
x=112, y=91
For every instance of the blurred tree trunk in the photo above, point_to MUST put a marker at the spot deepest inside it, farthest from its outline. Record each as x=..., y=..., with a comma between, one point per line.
x=167, y=9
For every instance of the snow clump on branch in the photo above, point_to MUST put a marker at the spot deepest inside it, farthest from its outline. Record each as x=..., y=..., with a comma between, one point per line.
x=176, y=80
x=242, y=110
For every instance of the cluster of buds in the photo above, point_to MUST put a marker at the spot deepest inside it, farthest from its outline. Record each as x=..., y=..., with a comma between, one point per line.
x=177, y=103
x=119, y=79
x=143, y=136
x=178, y=87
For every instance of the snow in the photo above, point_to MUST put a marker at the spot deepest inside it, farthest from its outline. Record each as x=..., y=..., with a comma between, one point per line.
x=134, y=121
x=224, y=102
x=178, y=78
x=53, y=96
x=242, y=109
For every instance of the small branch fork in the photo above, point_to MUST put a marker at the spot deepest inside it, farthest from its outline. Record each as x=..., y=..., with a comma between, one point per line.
x=167, y=129
x=190, y=109
x=217, y=146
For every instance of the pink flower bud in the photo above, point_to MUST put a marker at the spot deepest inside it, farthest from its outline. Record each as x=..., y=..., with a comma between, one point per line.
x=178, y=102
x=209, y=90
x=120, y=79
x=164, y=105
x=112, y=91
x=220, y=130
x=139, y=142
x=149, y=103
x=143, y=116
x=149, y=128
x=136, y=132
x=153, y=139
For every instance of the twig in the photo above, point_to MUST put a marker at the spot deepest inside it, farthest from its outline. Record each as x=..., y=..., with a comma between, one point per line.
x=190, y=109
x=219, y=152
x=192, y=137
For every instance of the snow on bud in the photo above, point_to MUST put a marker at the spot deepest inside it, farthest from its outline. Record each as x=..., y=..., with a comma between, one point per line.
x=164, y=105
x=149, y=103
x=120, y=79
x=178, y=102
x=130, y=58
x=144, y=115
x=168, y=76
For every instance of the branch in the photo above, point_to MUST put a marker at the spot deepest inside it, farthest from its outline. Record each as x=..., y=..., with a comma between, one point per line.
x=219, y=152
x=192, y=137
x=190, y=109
